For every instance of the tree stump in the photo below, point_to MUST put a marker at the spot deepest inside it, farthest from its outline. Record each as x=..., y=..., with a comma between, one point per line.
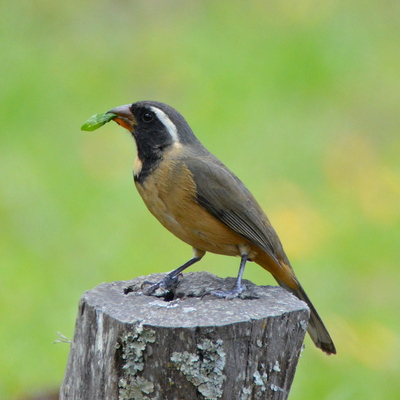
x=197, y=346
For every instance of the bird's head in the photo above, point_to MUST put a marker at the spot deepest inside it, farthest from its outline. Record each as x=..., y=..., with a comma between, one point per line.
x=155, y=127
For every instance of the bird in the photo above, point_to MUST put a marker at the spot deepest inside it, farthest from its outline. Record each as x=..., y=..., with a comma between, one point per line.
x=198, y=199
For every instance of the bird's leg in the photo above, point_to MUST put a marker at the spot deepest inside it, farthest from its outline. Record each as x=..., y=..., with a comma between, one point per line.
x=170, y=280
x=239, y=288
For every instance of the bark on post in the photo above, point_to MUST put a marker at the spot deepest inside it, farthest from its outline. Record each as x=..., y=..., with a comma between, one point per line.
x=131, y=346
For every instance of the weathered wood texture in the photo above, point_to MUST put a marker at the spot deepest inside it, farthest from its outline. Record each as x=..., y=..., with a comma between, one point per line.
x=131, y=346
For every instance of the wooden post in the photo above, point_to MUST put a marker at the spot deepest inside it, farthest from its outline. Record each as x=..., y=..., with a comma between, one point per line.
x=131, y=346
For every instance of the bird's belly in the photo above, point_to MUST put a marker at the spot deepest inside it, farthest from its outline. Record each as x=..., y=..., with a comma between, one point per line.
x=201, y=235
x=178, y=211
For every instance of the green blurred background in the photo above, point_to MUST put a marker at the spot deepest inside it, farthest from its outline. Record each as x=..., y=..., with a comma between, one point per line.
x=300, y=98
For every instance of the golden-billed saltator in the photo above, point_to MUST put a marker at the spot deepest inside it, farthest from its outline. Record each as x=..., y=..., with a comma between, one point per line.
x=197, y=198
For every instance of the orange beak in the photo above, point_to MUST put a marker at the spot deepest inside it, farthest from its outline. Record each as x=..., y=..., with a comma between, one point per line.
x=124, y=117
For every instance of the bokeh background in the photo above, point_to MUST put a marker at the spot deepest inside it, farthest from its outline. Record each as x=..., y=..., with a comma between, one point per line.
x=300, y=98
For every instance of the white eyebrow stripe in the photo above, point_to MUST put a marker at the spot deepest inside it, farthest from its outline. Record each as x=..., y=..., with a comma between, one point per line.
x=171, y=128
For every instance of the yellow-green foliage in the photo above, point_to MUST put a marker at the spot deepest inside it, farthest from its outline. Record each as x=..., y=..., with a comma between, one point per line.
x=299, y=98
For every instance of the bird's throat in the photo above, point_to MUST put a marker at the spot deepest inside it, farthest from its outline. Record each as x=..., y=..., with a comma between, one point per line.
x=137, y=167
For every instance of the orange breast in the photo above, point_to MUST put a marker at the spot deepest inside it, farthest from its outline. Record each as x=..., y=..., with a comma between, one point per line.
x=170, y=195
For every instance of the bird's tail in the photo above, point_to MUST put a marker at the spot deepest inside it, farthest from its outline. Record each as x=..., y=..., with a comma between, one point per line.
x=316, y=328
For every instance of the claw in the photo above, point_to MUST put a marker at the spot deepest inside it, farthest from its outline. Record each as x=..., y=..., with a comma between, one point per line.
x=171, y=280
x=229, y=295
x=146, y=283
x=168, y=283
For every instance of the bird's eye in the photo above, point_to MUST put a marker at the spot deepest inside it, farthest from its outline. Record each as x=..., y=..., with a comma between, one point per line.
x=147, y=117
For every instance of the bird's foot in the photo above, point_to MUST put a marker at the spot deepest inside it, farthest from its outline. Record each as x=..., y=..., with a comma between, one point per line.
x=240, y=292
x=163, y=288
x=229, y=294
